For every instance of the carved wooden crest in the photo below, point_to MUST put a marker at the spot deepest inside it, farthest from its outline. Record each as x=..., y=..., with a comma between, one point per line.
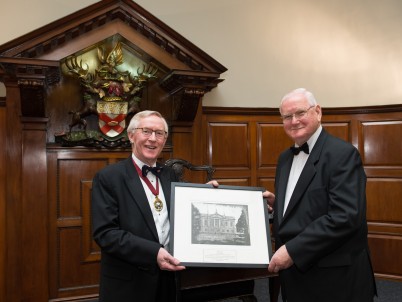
x=110, y=92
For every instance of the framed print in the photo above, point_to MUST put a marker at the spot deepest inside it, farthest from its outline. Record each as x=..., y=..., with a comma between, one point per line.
x=226, y=226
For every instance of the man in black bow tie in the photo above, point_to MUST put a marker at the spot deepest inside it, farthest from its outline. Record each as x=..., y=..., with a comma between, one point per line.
x=130, y=218
x=319, y=211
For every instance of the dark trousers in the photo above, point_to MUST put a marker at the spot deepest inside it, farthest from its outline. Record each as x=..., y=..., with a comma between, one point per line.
x=166, y=287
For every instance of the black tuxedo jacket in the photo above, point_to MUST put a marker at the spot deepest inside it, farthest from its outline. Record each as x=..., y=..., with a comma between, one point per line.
x=124, y=228
x=324, y=227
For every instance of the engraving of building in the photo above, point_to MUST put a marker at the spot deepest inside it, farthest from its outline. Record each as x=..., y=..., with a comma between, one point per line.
x=217, y=227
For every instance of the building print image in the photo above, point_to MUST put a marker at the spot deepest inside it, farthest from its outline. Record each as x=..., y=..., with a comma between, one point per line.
x=223, y=224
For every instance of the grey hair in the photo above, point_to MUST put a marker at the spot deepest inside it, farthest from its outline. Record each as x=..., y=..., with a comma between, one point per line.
x=135, y=121
x=303, y=91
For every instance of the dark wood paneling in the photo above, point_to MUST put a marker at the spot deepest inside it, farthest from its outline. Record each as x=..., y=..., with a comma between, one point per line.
x=268, y=183
x=386, y=255
x=229, y=139
x=74, y=256
x=384, y=201
x=2, y=204
x=90, y=250
x=382, y=143
x=340, y=129
x=271, y=140
x=34, y=252
x=13, y=195
x=234, y=181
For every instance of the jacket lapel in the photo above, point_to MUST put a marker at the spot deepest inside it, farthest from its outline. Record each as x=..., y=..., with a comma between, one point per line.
x=283, y=180
x=138, y=195
x=166, y=187
x=306, y=176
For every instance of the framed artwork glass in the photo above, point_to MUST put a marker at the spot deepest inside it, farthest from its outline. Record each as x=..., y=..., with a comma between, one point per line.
x=226, y=226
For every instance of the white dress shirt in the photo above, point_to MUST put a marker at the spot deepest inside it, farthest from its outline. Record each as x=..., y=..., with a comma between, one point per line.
x=297, y=167
x=161, y=218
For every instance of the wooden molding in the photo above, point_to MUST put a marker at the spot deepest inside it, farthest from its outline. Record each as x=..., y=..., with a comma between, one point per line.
x=188, y=87
x=33, y=77
x=325, y=110
x=69, y=28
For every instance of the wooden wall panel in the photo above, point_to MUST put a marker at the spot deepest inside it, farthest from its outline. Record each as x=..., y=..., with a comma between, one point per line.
x=75, y=275
x=33, y=223
x=13, y=194
x=271, y=141
x=90, y=250
x=384, y=201
x=384, y=215
x=71, y=175
x=181, y=138
x=234, y=181
x=339, y=129
x=229, y=139
x=74, y=256
x=382, y=143
x=228, y=150
x=2, y=202
x=386, y=255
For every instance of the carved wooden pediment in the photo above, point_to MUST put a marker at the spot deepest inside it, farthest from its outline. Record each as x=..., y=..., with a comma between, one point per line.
x=35, y=60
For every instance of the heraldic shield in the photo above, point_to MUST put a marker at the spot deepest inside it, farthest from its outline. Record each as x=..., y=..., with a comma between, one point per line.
x=112, y=117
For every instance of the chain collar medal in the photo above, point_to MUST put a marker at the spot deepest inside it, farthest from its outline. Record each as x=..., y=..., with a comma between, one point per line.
x=158, y=205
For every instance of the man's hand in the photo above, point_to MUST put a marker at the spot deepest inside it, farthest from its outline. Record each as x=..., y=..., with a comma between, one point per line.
x=214, y=183
x=270, y=198
x=167, y=262
x=280, y=260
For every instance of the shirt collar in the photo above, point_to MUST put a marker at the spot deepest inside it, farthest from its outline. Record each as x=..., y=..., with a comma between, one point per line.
x=313, y=139
x=138, y=162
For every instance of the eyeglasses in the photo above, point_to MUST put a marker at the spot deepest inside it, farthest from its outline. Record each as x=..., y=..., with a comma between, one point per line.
x=159, y=134
x=298, y=115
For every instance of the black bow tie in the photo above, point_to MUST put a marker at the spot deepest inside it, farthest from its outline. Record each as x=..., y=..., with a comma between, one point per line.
x=304, y=148
x=155, y=170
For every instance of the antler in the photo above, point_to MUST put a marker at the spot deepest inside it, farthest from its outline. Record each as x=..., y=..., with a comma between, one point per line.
x=148, y=71
x=77, y=68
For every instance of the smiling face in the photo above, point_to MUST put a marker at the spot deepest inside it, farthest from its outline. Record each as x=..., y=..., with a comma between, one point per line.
x=148, y=148
x=300, y=118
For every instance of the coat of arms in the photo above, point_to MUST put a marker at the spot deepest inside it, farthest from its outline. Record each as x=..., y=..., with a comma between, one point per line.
x=110, y=93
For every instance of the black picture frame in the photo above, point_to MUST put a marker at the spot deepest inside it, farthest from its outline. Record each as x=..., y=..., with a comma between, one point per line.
x=226, y=226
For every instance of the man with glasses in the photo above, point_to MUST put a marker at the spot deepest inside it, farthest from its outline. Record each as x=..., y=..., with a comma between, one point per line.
x=130, y=218
x=319, y=211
